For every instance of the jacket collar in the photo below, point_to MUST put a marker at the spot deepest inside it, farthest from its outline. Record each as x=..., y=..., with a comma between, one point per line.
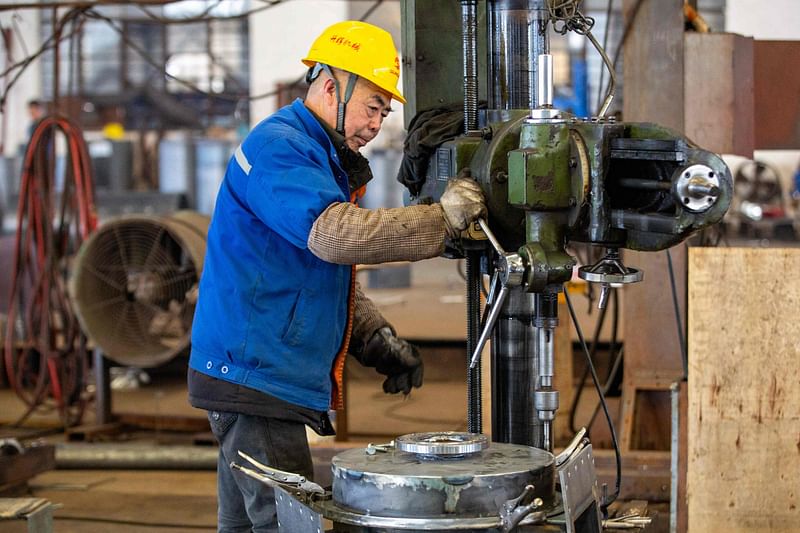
x=315, y=129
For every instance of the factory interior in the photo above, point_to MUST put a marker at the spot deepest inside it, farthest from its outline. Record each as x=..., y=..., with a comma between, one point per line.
x=608, y=346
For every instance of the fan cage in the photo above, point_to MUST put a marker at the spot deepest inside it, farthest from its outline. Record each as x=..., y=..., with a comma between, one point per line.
x=134, y=286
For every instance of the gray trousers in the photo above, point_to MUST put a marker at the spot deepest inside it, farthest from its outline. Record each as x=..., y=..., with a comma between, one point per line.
x=245, y=504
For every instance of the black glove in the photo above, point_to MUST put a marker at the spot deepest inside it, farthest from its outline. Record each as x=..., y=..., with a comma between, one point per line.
x=395, y=358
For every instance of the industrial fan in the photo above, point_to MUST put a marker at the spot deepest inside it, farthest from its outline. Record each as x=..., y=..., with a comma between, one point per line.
x=134, y=286
x=757, y=182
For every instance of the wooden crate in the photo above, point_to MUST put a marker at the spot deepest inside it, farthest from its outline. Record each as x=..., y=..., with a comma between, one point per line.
x=744, y=390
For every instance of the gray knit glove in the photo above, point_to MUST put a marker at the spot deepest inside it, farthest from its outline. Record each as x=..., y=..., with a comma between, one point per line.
x=463, y=202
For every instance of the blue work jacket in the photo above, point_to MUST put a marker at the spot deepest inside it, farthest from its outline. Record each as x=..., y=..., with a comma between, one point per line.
x=271, y=315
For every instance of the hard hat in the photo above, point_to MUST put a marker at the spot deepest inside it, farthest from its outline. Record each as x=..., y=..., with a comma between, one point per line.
x=362, y=49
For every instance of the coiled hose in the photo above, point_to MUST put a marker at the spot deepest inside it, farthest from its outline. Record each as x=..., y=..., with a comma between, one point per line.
x=44, y=349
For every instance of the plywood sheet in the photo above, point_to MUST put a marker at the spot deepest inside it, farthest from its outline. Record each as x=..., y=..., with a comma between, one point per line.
x=718, y=70
x=744, y=390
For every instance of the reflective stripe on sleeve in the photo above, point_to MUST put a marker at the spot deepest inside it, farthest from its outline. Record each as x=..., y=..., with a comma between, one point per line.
x=241, y=159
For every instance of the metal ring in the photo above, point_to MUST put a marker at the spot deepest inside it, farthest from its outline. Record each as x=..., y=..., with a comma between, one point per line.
x=442, y=443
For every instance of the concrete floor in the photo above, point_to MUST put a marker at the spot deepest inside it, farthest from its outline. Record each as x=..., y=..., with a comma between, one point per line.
x=93, y=501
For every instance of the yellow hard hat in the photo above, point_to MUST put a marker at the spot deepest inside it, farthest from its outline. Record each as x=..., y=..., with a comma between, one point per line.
x=362, y=49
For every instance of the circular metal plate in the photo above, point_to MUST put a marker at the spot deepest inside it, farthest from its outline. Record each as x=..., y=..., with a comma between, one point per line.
x=442, y=443
x=631, y=275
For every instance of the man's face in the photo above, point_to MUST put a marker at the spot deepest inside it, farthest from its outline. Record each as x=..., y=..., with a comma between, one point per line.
x=364, y=115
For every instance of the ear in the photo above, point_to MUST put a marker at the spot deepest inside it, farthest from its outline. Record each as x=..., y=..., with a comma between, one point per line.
x=329, y=92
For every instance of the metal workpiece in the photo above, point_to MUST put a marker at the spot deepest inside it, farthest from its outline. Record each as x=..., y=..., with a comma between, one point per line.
x=401, y=485
x=442, y=444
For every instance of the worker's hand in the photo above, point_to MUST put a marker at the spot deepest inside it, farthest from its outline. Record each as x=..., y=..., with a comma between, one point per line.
x=395, y=358
x=463, y=203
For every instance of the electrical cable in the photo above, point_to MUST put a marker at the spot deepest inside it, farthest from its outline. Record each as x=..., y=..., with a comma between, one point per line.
x=678, y=321
x=605, y=45
x=626, y=32
x=615, y=366
x=86, y=9
x=81, y=4
x=204, y=17
x=567, y=13
x=596, y=381
x=51, y=42
x=576, y=398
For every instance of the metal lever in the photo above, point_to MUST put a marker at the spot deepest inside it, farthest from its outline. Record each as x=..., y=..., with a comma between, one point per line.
x=632, y=521
x=509, y=272
x=296, y=484
x=372, y=449
x=576, y=444
x=487, y=330
x=512, y=513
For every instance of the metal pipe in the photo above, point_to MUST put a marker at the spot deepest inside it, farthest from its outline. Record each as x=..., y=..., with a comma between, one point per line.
x=545, y=81
x=469, y=34
x=135, y=457
x=514, y=371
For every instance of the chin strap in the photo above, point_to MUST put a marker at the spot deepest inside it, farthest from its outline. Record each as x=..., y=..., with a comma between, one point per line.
x=348, y=92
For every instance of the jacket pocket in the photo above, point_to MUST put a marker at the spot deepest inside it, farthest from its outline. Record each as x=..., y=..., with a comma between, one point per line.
x=298, y=319
x=221, y=422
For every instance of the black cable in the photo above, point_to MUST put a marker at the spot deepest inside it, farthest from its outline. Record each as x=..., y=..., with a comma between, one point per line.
x=82, y=4
x=85, y=8
x=603, y=505
x=612, y=375
x=613, y=354
x=678, y=321
x=49, y=43
x=152, y=62
x=579, y=389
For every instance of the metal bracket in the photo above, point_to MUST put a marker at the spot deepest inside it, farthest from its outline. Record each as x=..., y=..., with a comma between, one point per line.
x=579, y=493
x=294, y=516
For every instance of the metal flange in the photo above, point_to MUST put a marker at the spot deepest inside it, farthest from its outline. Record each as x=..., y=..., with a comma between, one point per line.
x=442, y=444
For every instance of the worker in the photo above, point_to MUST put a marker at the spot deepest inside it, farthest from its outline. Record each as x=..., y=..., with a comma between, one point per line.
x=278, y=306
